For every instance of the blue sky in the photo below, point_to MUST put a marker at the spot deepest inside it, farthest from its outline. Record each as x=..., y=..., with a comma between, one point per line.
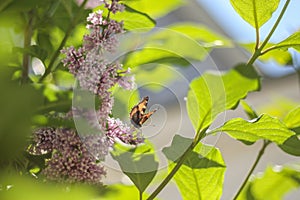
x=236, y=27
x=223, y=13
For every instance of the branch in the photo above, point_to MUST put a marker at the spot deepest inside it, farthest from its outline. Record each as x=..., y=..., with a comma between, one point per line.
x=275, y=25
x=258, y=51
x=181, y=160
x=261, y=152
x=72, y=25
x=172, y=173
x=27, y=41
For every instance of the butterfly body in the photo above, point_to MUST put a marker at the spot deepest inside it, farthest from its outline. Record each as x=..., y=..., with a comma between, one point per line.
x=137, y=115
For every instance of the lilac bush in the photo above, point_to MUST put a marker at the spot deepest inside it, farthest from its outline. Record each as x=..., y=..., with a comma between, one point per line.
x=71, y=161
x=75, y=158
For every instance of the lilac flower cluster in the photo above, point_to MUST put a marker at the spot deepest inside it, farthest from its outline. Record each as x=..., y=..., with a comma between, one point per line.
x=88, y=63
x=43, y=141
x=74, y=59
x=117, y=129
x=114, y=7
x=75, y=158
x=71, y=159
x=102, y=32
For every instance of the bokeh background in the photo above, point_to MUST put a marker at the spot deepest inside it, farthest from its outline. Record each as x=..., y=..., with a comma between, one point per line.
x=280, y=89
x=280, y=92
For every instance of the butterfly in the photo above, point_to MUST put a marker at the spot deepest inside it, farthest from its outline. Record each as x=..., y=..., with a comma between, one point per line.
x=138, y=116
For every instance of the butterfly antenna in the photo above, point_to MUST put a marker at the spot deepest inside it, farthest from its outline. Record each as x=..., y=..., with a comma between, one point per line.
x=156, y=109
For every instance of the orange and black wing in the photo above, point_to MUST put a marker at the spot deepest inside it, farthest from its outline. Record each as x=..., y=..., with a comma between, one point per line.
x=137, y=115
x=146, y=116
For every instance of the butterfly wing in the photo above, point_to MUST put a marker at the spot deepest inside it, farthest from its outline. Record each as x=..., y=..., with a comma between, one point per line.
x=138, y=115
x=135, y=116
x=145, y=117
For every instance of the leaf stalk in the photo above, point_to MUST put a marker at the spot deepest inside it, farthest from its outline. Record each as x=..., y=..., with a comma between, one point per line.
x=260, y=154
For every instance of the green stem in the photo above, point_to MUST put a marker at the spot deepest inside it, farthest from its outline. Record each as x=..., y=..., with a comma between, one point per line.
x=276, y=47
x=181, y=160
x=27, y=41
x=260, y=153
x=256, y=26
x=296, y=68
x=141, y=195
x=51, y=66
x=298, y=74
x=258, y=51
x=172, y=173
x=254, y=56
x=275, y=25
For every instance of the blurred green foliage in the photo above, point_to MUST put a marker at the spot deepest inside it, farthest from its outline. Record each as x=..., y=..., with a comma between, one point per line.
x=39, y=29
x=273, y=184
x=17, y=105
x=15, y=187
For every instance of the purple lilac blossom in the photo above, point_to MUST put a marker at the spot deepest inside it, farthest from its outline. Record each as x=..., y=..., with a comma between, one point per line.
x=117, y=129
x=77, y=158
x=71, y=159
x=88, y=64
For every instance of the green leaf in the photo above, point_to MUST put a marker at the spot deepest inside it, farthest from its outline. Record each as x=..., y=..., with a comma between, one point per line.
x=4, y=4
x=212, y=94
x=43, y=40
x=274, y=184
x=279, y=106
x=291, y=146
x=68, y=6
x=119, y=192
x=154, y=55
x=9, y=39
x=165, y=47
x=35, y=51
x=280, y=56
x=137, y=163
x=17, y=105
x=54, y=99
x=201, y=34
x=202, y=174
x=22, y=6
x=64, y=16
x=53, y=121
x=75, y=39
x=16, y=186
x=296, y=130
x=150, y=76
x=292, y=41
x=63, y=79
x=292, y=119
x=134, y=19
x=264, y=127
x=255, y=12
x=51, y=9
x=249, y=111
x=160, y=9
x=63, y=105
